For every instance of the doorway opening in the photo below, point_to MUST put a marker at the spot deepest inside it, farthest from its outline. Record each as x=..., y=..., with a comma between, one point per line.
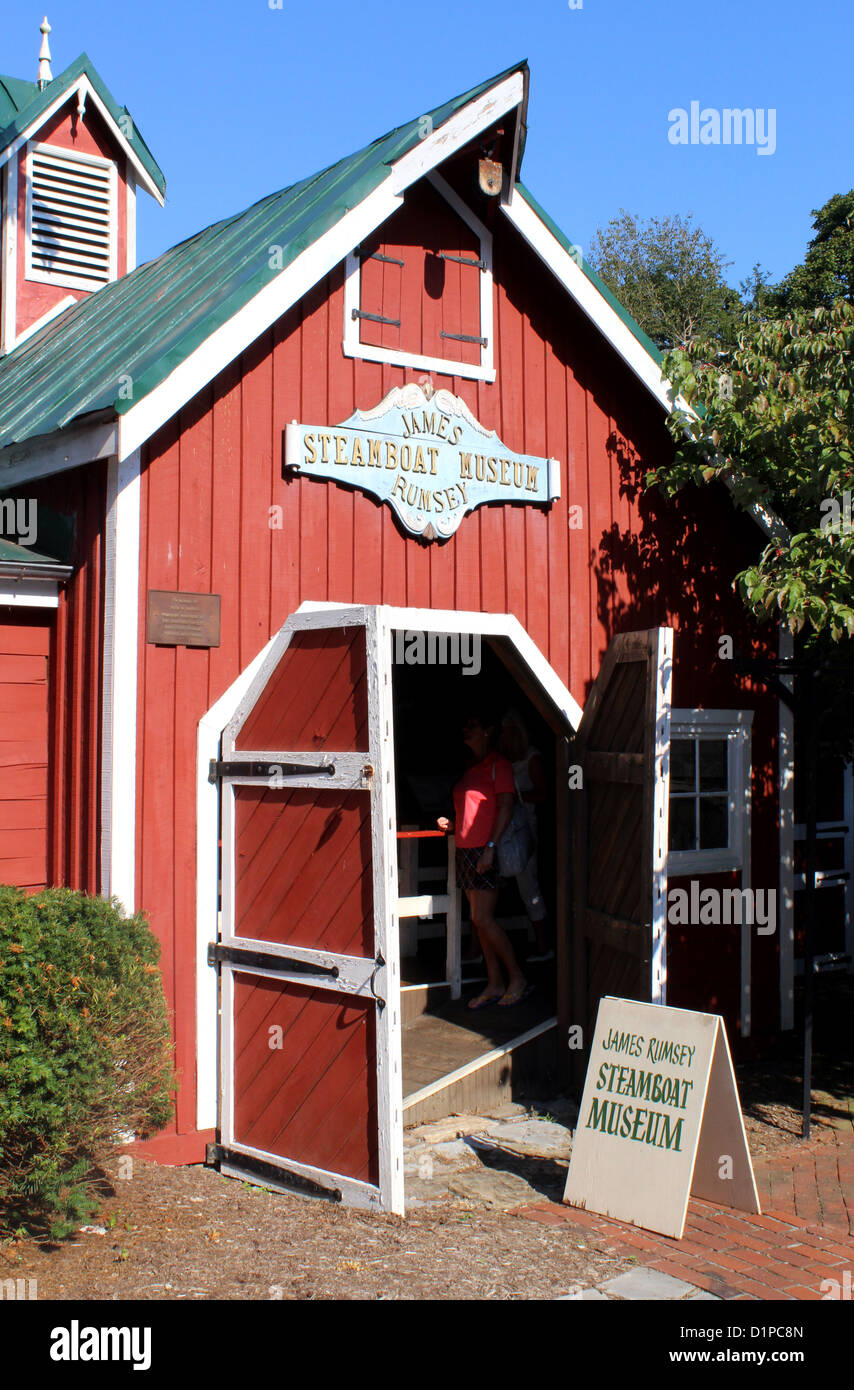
x=455, y=1058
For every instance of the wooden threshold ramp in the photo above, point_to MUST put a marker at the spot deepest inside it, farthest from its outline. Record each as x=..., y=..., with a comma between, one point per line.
x=489, y=1074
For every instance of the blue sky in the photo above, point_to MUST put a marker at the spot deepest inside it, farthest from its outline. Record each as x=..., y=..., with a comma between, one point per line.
x=237, y=98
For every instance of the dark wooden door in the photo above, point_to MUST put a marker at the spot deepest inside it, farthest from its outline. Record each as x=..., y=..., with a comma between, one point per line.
x=620, y=826
x=309, y=998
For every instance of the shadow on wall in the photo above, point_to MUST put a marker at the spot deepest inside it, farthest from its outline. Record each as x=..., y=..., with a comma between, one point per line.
x=675, y=563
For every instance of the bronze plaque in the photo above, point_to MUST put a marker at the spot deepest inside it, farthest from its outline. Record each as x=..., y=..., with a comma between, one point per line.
x=182, y=620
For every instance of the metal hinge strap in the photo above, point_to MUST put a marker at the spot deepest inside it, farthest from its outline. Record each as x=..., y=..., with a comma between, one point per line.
x=378, y=256
x=463, y=260
x=464, y=338
x=216, y=1154
x=375, y=318
x=264, y=960
x=268, y=769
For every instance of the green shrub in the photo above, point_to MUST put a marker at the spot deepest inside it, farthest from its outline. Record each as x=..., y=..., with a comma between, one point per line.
x=85, y=1050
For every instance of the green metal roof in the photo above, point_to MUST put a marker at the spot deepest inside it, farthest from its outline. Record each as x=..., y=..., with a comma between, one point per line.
x=13, y=554
x=145, y=324
x=21, y=103
x=14, y=96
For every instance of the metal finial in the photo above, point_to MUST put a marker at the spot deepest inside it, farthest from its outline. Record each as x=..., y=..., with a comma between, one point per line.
x=45, y=74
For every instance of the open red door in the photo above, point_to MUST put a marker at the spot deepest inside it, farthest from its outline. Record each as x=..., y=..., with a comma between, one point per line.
x=620, y=826
x=310, y=1015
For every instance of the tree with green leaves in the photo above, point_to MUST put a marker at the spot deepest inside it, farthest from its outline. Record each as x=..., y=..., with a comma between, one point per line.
x=827, y=272
x=772, y=415
x=668, y=274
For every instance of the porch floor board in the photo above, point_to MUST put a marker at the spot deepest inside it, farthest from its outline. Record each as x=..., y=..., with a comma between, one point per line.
x=438, y=1043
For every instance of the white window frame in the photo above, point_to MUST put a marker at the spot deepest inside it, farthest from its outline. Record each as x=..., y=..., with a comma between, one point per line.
x=49, y=277
x=735, y=726
x=353, y=345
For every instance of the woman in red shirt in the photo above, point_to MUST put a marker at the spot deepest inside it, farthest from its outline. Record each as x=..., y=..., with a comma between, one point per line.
x=483, y=805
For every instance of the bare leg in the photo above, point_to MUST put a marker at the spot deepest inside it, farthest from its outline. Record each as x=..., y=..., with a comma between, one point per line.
x=497, y=950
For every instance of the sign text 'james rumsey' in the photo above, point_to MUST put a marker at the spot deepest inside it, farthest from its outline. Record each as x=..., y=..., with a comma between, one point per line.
x=425, y=454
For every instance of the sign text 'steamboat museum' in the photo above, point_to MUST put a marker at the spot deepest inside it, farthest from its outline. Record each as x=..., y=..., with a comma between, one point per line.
x=281, y=480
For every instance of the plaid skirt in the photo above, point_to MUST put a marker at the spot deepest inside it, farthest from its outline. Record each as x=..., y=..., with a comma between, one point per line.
x=467, y=874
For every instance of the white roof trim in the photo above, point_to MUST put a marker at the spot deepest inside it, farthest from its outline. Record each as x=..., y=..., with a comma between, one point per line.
x=491, y=625
x=458, y=130
x=83, y=86
x=291, y=284
x=588, y=297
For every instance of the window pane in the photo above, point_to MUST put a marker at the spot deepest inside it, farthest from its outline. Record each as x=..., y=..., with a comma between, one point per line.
x=682, y=765
x=714, y=830
x=682, y=824
x=713, y=765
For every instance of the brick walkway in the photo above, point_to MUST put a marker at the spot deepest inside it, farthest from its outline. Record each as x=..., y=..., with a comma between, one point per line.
x=804, y=1236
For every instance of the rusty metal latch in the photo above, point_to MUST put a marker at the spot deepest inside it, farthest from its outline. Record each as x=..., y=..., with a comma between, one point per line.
x=367, y=775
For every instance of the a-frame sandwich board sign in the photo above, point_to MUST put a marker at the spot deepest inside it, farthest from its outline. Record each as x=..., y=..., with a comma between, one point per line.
x=660, y=1119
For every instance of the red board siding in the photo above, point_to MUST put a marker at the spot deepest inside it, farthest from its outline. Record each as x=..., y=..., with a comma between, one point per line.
x=314, y=1098
x=24, y=662
x=605, y=557
x=75, y=687
x=317, y=698
x=304, y=869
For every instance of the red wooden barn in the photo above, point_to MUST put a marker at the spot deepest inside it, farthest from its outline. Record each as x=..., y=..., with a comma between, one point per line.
x=278, y=507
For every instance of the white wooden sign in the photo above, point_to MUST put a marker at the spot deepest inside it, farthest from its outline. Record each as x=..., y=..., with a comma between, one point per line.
x=426, y=455
x=660, y=1119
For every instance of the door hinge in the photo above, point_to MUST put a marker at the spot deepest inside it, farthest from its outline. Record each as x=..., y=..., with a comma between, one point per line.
x=265, y=960
x=463, y=260
x=465, y=338
x=217, y=1154
x=375, y=318
x=267, y=771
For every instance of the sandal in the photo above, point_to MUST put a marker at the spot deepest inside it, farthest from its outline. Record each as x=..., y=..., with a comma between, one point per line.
x=482, y=1001
x=508, y=1000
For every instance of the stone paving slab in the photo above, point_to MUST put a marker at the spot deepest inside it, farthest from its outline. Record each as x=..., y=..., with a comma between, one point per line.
x=645, y=1283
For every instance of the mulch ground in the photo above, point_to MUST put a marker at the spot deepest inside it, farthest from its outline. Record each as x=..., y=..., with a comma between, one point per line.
x=189, y=1233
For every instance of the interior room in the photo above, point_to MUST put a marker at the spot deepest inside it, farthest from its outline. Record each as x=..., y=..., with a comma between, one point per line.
x=456, y=1059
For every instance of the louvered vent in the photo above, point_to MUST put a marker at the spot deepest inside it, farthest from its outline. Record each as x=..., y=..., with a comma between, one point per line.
x=71, y=219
